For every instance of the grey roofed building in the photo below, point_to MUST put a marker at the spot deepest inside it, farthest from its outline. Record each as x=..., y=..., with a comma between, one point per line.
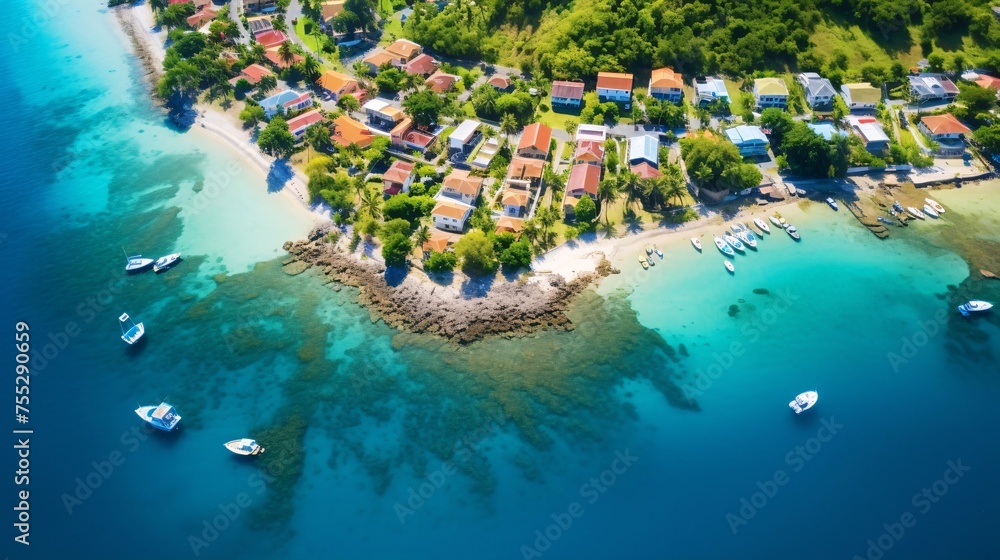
x=818, y=90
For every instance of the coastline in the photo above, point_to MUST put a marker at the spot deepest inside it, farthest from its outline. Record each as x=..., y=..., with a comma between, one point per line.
x=138, y=24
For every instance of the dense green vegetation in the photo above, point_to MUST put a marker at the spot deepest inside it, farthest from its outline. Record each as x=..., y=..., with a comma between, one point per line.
x=716, y=165
x=733, y=37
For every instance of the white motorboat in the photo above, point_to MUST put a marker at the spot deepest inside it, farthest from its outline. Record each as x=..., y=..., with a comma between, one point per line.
x=915, y=213
x=133, y=333
x=724, y=247
x=244, y=446
x=162, y=416
x=734, y=243
x=136, y=263
x=794, y=233
x=974, y=306
x=658, y=252
x=804, y=402
x=762, y=225
x=729, y=266
x=748, y=238
x=832, y=203
x=776, y=221
x=696, y=242
x=166, y=262
x=930, y=211
x=935, y=205
x=738, y=228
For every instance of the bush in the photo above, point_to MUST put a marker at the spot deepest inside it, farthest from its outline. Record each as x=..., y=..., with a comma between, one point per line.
x=441, y=262
x=395, y=249
x=477, y=254
x=517, y=256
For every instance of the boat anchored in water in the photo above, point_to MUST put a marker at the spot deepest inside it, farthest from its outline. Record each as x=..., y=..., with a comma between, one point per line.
x=915, y=213
x=136, y=263
x=725, y=248
x=930, y=211
x=832, y=203
x=658, y=252
x=163, y=263
x=804, y=401
x=762, y=225
x=696, y=242
x=649, y=249
x=935, y=205
x=734, y=243
x=794, y=233
x=729, y=266
x=162, y=416
x=747, y=237
x=776, y=221
x=974, y=306
x=134, y=332
x=244, y=446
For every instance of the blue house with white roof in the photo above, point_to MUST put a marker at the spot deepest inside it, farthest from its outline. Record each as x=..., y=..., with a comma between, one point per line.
x=283, y=101
x=645, y=148
x=750, y=140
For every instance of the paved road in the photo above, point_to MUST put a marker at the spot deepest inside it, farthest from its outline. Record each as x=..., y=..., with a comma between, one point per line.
x=234, y=14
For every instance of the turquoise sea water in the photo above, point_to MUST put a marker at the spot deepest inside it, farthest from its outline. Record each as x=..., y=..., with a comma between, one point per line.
x=586, y=444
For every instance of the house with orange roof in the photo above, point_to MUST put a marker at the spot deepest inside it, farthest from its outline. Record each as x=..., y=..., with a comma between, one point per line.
x=440, y=82
x=202, y=16
x=645, y=171
x=271, y=38
x=450, y=216
x=438, y=243
x=348, y=131
x=336, y=84
x=515, y=202
x=397, y=178
x=381, y=59
x=461, y=186
x=666, y=85
x=331, y=9
x=499, y=82
x=525, y=172
x=583, y=180
x=252, y=73
x=589, y=152
x=614, y=86
x=381, y=114
x=275, y=59
x=535, y=141
x=298, y=125
x=988, y=82
x=947, y=131
x=406, y=49
x=422, y=65
x=508, y=224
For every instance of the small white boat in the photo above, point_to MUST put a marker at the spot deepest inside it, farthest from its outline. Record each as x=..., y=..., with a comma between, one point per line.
x=762, y=225
x=930, y=211
x=658, y=252
x=734, y=243
x=696, y=242
x=738, y=228
x=244, y=446
x=136, y=263
x=935, y=205
x=166, y=262
x=649, y=260
x=643, y=262
x=162, y=416
x=832, y=203
x=748, y=238
x=794, y=233
x=729, y=266
x=649, y=250
x=974, y=306
x=133, y=333
x=776, y=221
x=725, y=248
x=804, y=402
x=915, y=213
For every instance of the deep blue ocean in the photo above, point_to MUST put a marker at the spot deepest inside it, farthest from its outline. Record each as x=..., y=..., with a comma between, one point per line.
x=657, y=429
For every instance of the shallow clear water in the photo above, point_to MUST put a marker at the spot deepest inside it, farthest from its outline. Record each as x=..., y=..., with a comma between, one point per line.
x=497, y=440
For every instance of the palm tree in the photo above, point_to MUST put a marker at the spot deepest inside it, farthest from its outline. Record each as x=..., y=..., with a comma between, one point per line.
x=257, y=53
x=318, y=136
x=310, y=67
x=674, y=188
x=286, y=53
x=531, y=230
x=220, y=90
x=508, y=124
x=632, y=188
x=371, y=204
x=489, y=132
x=361, y=68
x=607, y=190
x=421, y=236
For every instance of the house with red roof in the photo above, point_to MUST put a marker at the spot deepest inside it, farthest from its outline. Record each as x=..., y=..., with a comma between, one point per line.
x=440, y=82
x=567, y=95
x=271, y=38
x=590, y=152
x=405, y=48
x=525, y=173
x=397, y=178
x=988, y=82
x=614, y=86
x=202, y=16
x=438, y=243
x=461, y=186
x=583, y=180
x=499, y=82
x=535, y=141
x=422, y=65
x=275, y=59
x=252, y=74
x=947, y=131
x=645, y=171
x=508, y=224
x=298, y=125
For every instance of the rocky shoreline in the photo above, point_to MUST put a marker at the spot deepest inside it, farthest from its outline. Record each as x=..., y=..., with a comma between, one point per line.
x=134, y=28
x=503, y=308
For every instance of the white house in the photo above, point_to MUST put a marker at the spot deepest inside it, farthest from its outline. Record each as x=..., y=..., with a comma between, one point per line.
x=819, y=91
x=465, y=137
x=861, y=96
x=644, y=148
x=614, y=86
x=930, y=87
x=288, y=100
x=709, y=89
x=450, y=216
x=770, y=92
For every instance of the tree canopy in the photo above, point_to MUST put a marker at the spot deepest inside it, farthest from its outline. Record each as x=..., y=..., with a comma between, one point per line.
x=276, y=139
x=717, y=166
x=475, y=249
x=424, y=107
